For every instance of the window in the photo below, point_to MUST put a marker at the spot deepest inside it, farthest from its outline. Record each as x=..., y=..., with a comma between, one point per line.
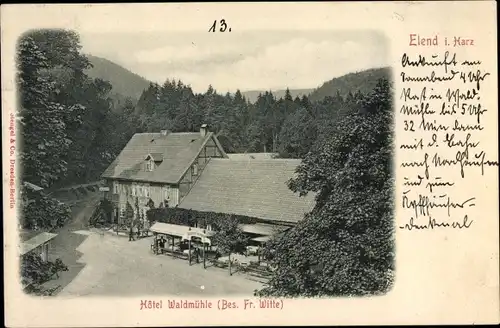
x=209, y=227
x=195, y=169
x=150, y=165
x=134, y=193
x=146, y=191
x=166, y=193
x=116, y=188
x=123, y=208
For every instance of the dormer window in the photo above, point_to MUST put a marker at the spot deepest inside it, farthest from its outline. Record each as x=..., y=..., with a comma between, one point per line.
x=150, y=164
x=152, y=160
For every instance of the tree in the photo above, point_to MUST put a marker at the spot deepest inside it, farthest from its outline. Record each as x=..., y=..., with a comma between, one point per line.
x=297, y=135
x=255, y=138
x=270, y=118
x=129, y=215
x=345, y=246
x=188, y=117
x=137, y=211
x=229, y=238
x=35, y=271
x=148, y=100
x=69, y=131
x=39, y=211
x=44, y=121
x=103, y=213
x=94, y=141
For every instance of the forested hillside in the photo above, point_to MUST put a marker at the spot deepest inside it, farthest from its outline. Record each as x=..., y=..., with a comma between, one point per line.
x=89, y=128
x=364, y=81
x=253, y=95
x=123, y=81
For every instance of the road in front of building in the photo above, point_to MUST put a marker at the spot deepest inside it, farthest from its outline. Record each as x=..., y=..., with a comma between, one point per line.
x=64, y=245
x=107, y=264
x=113, y=266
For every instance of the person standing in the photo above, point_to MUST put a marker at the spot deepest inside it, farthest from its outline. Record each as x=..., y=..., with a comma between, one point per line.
x=162, y=244
x=131, y=234
x=197, y=254
x=138, y=230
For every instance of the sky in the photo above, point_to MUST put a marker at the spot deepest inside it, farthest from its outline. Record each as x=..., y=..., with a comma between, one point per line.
x=245, y=61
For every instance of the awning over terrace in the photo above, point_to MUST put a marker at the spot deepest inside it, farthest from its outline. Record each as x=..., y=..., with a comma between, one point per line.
x=262, y=239
x=263, y=229
x=181, y=231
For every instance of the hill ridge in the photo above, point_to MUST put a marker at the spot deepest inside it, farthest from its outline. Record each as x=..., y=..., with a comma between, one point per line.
x=125, y=82
x=362, y=80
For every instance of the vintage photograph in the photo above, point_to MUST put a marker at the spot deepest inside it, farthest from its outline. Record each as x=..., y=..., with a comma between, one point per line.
x=187, y=164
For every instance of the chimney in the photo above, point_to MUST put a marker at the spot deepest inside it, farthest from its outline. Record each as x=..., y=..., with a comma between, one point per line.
x=164, y=132
x=203, y=130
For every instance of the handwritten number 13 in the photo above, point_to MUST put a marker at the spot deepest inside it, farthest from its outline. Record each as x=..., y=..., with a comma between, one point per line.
x=409, y=126
x=223, y=26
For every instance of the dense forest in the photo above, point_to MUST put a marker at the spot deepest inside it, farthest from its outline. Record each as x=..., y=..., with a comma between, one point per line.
x=74, y=125
x=91, y=121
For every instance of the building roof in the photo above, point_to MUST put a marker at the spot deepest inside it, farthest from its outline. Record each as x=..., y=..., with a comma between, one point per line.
x=36, y=241
x=178, y=230
x=255, y=188
x=177, y=151
x=262, y=229
x=32, y=186
x=262, y=239
x=256, y=156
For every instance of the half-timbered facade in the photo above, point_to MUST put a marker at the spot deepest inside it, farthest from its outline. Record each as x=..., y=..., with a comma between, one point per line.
x=159, y=168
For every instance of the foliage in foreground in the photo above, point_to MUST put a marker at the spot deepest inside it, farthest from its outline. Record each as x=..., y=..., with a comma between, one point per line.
x=69, y=132
x=229, y=238
x=42, y=212
x=175, y=215
x=103, y=213
x=345, y=246
x=35, y=271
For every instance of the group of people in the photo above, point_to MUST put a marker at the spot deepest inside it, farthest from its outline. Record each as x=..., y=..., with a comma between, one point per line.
x=159, y=245
x=161, y=242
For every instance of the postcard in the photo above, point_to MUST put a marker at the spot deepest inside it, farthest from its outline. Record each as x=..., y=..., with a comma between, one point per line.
x=232, y=164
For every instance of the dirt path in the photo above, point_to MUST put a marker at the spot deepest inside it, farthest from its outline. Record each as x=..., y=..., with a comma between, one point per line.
x=65, y=244
x=81, y=212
